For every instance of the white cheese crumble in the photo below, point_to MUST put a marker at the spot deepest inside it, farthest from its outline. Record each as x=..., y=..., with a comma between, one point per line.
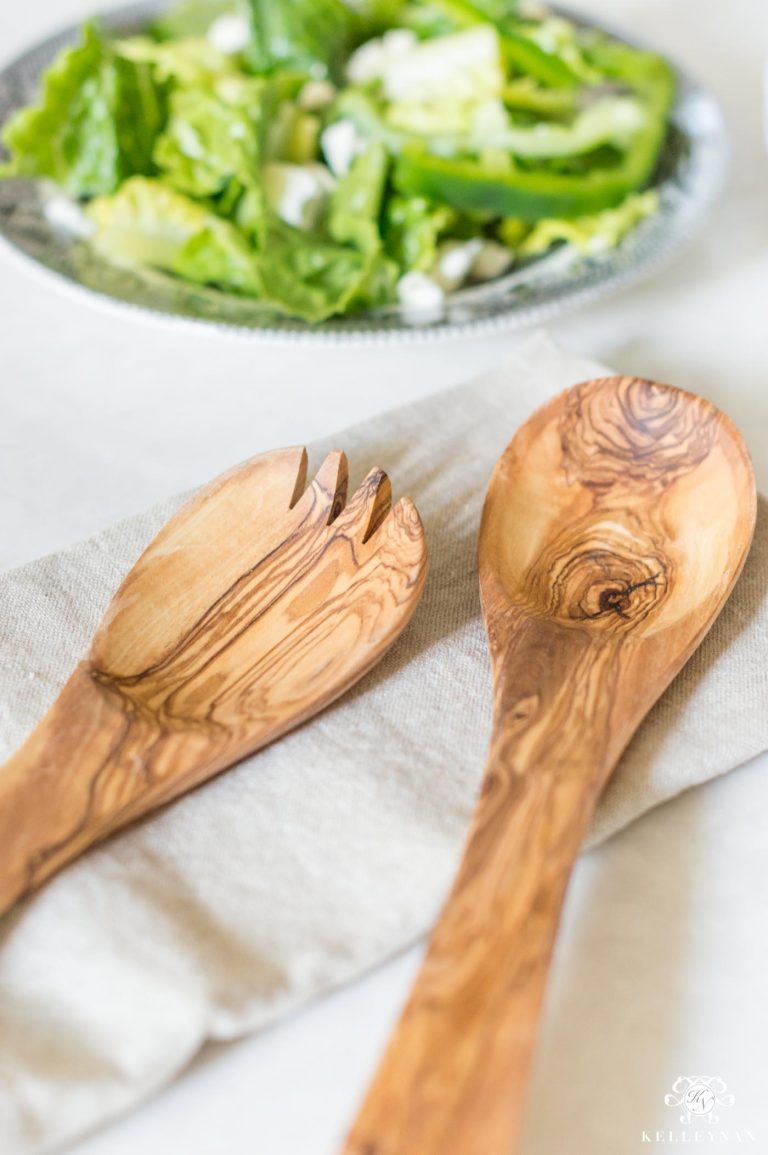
x=372, y=60
x=230, y=34
x=298, y=192
x=67, y=217
x=421, y=297
x=458, y=262
x=464, y=66
x=340, y=144
x=454, y=262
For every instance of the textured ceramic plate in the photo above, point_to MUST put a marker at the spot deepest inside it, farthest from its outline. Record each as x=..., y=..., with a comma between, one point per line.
x=690, y=176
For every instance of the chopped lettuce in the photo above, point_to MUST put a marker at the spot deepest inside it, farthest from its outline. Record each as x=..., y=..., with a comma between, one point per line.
x=413, y=226
x=221, y=257
x=559, y=39
x=139, y=109
x=193, y=18
x=191, y=63
x=292, y=270
x=312, y=154
x=357, y=201
x=312, y=36
x=304, y=275
x=293, y=134
x=591, y=234
x=148, y=223
x=212, y=139
x=317, y=276
x=355, y=213
x=95, y=123
x=298, y=193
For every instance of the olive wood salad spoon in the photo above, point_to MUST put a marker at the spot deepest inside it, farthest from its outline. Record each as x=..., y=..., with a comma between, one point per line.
x=615, y=525
x=258, y=603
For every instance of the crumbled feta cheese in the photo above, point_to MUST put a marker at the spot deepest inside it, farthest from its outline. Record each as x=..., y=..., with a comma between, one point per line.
x=458, y=262
x=489, y=118
x=230, y=33
x=316, y=94
x=454, y=261
x=298, y=192
x=373, y=59
x=464, y=66
x=492, y=261
x=189, y=140
x=421, y=297
x=341, y=143
x=533, y=10
x=66, y=216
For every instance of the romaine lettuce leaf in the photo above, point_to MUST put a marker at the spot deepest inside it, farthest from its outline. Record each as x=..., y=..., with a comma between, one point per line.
x=591, y=234
x=412, y=228
x=295, y=272
x=148, y=223
x=220, y=256
x=354, y=219
x=311, y=36
x=212, y=138
x=357, y=199
x=194, y=17
x=140, y=111
x=95, y=123
x=70, y=135
x=191, y=63
x=313, y=277
x=303, y=275
x=559, y=39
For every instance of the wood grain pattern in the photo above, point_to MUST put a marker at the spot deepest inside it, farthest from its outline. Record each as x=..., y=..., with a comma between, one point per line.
x=258, y=604
x=615, y=526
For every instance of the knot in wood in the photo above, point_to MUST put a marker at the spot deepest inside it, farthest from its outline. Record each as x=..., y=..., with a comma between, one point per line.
x=601, y=578
x=628, y=429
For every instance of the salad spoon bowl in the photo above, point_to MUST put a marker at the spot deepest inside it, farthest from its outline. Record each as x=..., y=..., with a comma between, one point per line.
x=260, y=602
x=614, y=528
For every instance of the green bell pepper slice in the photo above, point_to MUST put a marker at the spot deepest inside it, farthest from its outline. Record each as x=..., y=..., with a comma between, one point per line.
x=471, y=186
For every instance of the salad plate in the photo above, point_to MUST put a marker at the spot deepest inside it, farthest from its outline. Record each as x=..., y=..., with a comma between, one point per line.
x=42, y=226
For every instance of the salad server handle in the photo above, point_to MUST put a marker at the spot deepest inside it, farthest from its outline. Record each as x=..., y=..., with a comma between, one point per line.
x=454, y=1077
x=80, y=775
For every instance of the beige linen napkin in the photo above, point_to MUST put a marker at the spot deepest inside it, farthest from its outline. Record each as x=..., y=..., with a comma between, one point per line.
x=324, y=854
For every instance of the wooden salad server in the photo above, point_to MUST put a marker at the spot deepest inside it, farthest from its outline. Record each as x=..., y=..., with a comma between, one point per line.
x=614, y=528
x=258, y=604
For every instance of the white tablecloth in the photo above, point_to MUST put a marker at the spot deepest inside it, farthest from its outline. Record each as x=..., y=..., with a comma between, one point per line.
x=660, y=969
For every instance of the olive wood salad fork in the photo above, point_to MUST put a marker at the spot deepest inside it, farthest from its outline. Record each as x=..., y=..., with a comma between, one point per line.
x=614, y=528
x=258, y=603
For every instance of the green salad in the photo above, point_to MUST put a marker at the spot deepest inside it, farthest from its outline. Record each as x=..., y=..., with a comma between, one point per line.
x=326, y=158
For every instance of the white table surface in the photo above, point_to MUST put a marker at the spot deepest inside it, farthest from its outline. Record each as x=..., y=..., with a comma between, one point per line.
x=661, y=964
